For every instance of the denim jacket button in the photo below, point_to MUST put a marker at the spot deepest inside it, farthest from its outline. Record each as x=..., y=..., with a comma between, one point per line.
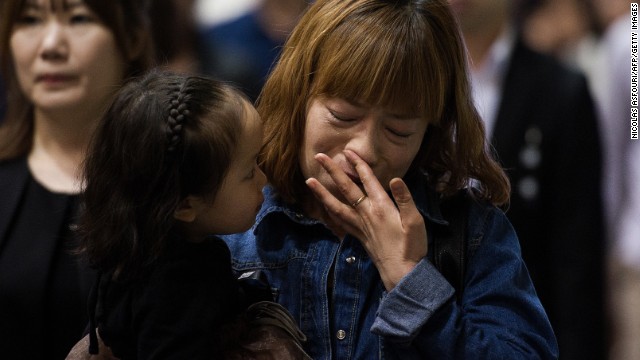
x=351, y=259
x=341, y=334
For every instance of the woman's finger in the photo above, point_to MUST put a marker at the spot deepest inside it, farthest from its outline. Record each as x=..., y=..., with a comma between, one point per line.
x=372, y=186
x=351, y=192
x=409, y=214
x=337, y=208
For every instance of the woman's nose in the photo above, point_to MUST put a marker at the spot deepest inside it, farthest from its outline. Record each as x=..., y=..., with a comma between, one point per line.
x=54, y=42
x=365, y=143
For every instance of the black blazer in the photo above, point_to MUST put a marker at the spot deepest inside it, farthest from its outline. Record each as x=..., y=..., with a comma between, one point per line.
x=22, y=309
x=546, y=137
x=13, y=178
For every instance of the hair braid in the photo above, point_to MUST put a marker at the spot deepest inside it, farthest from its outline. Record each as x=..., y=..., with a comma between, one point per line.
x=178, y=113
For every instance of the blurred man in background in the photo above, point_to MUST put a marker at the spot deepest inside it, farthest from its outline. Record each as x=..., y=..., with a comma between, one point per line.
x=244, y=49
x=541, y=120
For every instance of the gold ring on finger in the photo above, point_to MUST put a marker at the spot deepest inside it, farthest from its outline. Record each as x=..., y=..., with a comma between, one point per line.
x=357, y=202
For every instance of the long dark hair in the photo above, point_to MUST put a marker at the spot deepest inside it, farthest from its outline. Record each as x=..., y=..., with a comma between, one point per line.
x=165, y=136
x=129, y=22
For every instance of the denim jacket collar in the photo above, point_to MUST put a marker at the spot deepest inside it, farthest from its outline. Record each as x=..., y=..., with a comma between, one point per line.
x=427, y=201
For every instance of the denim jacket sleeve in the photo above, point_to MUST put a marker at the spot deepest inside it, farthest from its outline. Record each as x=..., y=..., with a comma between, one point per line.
x=499, y=316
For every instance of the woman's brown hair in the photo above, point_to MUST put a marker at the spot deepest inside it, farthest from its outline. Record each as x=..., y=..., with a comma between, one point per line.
x=396, y=54
x=128, y=21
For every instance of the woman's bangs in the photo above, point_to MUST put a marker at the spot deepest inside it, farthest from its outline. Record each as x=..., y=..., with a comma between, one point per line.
x=373, y=67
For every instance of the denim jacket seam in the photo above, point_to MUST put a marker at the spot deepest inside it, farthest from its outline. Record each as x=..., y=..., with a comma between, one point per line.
x=479, y=229
x=260, y=264
x=354, y=310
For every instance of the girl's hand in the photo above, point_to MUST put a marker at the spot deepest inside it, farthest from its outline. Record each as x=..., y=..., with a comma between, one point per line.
x=394, y=237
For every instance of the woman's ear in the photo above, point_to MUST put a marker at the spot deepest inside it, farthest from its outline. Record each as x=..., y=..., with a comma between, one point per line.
x=186, y=210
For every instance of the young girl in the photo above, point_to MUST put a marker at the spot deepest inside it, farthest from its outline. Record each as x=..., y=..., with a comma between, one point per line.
x=173, y=160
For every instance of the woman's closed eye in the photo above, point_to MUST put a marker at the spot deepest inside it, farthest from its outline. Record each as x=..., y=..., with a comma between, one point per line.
x=341, y=117
x=399, y=133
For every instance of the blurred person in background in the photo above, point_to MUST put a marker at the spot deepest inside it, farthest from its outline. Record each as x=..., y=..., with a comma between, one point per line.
x=622, y=176
x=541, y=121
x=61, y=62
x=557, y=27
x=625, y=266
x=175, y=33
x=244, y=49
x=600, y=47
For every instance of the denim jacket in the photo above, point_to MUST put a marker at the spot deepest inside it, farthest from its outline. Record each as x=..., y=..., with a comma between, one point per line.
x=333, y=290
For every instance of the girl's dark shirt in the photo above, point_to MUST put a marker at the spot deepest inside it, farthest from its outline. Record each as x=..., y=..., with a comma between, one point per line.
x=43, y=286
x=175, y=312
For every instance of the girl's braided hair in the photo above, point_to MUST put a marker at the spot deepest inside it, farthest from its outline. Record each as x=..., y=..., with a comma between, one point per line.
x=177, y=113
x=164, y=137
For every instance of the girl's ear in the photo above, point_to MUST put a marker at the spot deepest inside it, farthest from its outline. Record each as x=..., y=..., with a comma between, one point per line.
x=186, y=210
